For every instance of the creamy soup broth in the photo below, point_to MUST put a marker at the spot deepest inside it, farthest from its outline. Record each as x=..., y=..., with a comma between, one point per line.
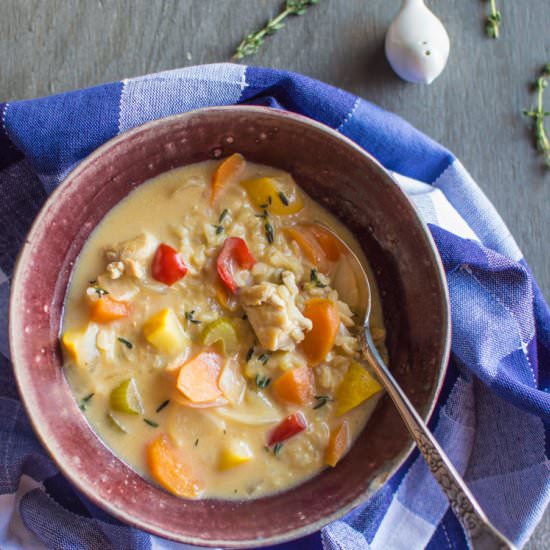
x=182, y=381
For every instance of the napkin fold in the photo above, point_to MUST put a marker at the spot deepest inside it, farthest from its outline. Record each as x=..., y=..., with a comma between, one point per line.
x=493, y=415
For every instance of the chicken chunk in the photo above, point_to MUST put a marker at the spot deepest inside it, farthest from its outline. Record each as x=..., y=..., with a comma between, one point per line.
x=120, y=288
x=115, y=269
x=272, y=312
x=129, y=257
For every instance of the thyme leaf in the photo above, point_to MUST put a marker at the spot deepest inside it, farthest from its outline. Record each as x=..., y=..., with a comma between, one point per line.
x=162, y=405
x=218, y=226
x=314, y=278
x=224, y=213
x=85, y=400
x=127, y=343
x=100, y=291
x=492, y=28
x=269, y=233
x=283, y=198
x=277, y=449
x=151, y=423
x=190, y=317
x=322, y=400
x=264, y=214
x=262, y=381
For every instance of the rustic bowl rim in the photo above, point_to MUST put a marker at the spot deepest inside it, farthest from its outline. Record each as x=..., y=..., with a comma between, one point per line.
x=35, y=418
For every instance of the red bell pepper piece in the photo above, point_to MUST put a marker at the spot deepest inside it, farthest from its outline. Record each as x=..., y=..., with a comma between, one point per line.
x=168, y=265
x=287, y=428
x=234, y=251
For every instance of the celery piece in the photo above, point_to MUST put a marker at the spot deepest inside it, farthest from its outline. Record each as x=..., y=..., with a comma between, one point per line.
x=116, y=423
x=221, y=330
x=125, y=398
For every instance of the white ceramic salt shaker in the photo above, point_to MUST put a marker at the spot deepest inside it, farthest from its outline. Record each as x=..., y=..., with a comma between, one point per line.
x=417, y=44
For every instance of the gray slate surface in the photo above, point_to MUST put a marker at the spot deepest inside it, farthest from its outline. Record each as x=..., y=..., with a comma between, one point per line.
x=49, y=46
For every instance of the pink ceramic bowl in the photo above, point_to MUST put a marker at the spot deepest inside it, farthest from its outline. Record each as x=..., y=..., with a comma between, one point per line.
x=340, y=176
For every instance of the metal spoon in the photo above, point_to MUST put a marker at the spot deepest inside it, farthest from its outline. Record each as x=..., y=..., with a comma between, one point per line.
x=483, y=535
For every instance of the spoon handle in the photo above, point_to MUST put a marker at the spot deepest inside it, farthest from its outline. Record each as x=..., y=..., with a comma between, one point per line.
x=482, y=534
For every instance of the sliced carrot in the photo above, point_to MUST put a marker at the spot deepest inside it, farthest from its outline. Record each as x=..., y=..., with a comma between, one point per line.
x=319, y=340
x=317, y=244
x=228, y=170
x=106, y=309
x=295, y=386
x=330, y=245
x=198, y=378
x=338, y=444
x=168, y=471
x=309, y=246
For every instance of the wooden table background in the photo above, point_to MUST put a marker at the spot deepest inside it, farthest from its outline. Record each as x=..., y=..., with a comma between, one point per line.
x=474, y=108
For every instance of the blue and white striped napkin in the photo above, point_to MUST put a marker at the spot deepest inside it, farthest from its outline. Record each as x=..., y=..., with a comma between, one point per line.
x=493, y=416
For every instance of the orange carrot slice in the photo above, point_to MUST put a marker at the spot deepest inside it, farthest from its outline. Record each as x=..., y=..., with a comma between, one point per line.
x=106, y=309
x=168, y=471
x=330, y=245
x=198, y=378
x=338, y=444
x=228, y=170
x=295, y=386
x=319, y=340
x=317, y=244
x=309, y=246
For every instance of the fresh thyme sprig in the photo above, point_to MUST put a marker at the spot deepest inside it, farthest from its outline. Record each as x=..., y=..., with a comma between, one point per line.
x=492, y=28
x=538, y=114
x=253, y=42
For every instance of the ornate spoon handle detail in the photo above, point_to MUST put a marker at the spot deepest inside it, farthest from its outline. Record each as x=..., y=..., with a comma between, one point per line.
x=482, y=534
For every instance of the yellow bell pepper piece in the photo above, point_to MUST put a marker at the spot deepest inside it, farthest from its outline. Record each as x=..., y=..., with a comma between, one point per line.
x=80, y=345
x=164, y=331
x=70, y=342
x=357, y=386
x=262, y=190
x=236, y=452
x=221, y=330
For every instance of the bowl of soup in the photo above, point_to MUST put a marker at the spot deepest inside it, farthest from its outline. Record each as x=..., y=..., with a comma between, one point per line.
x=185, y=328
